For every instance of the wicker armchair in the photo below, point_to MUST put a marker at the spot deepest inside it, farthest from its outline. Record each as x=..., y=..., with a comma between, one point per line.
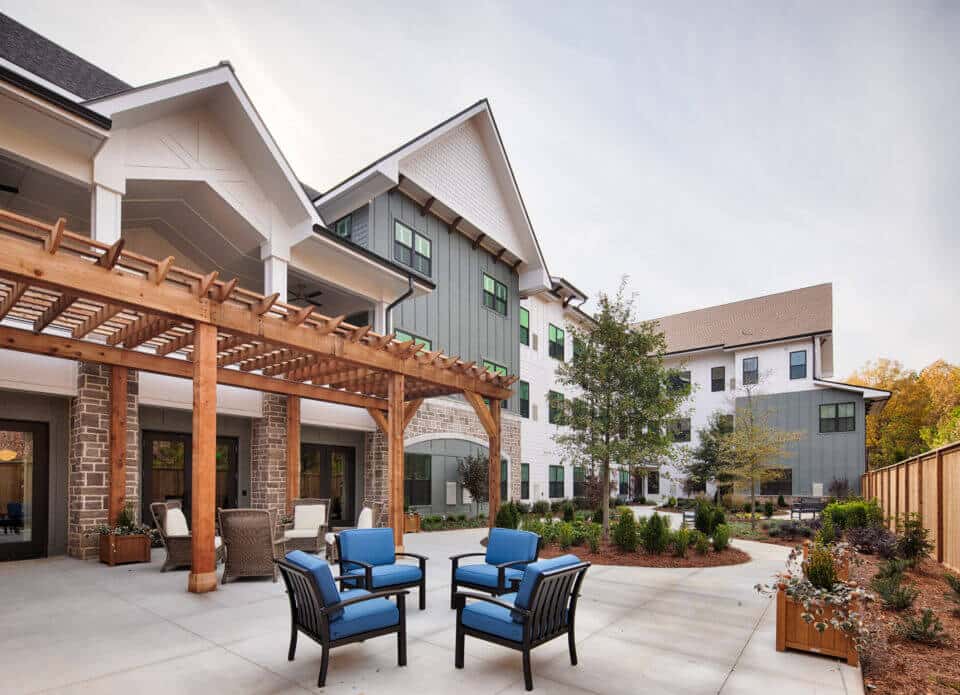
x=250, y=539
x=307, y=534
x=368, y=518
x=179, y=546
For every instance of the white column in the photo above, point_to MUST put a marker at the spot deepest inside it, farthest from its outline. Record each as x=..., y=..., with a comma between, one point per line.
x=105, y=214
x=380, y=317
x=275, y=276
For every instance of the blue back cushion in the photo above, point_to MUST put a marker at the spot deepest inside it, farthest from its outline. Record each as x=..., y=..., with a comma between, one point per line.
x=507, y=545
x=371, y=545
x=321, y=575
x=532, y=573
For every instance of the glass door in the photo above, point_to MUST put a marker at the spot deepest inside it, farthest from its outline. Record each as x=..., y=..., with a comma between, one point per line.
x=328, y=472
x=23, y=490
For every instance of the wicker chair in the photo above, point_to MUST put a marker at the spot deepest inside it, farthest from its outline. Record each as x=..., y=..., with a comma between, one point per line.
x=308, y=538
x=368, y=518
x=250, y=539
x=179, y=546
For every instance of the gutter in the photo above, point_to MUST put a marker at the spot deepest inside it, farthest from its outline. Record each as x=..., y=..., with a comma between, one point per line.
x=388, y=317
x=52, y=97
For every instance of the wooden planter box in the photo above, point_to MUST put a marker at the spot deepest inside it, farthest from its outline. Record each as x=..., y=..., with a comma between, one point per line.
x=411, y=523
x=794, y=633
x=118, y=550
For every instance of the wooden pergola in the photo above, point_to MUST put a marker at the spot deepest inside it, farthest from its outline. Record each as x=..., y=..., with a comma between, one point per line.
x=86, y=300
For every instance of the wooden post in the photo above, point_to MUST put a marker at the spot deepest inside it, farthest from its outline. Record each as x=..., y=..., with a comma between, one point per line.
x=395, y=412
x=940, y=504
x=493, y=470
x=118, y=441
x=293, y=450
x=203, y=570
x=906, y=489
x=920, y=489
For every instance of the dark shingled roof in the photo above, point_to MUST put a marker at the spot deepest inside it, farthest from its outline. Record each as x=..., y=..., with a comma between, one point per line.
x=44, y=58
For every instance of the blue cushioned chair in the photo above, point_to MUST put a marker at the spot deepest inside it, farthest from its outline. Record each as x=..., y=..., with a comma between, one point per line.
x=543, y=608
x=333, y=618
x=368, y=560
x=508, y=552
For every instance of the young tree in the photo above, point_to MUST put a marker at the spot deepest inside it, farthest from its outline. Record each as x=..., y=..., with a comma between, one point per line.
x=626, y=397
x=473, y=476
x=704, y=465
x=751, y=453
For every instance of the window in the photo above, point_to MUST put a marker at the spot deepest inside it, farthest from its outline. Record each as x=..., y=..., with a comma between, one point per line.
x=412, y=248
x=798, y=364
x=496, y=369
x=838, y=417
x=556, y=482
x=524, y=327
x=503, y=480
x=556, y=342
x=751, y=370
x=523, y=392
x=494, y=295
x=555, y=403
x=624, y=482
x=782, y=485
x=653, y=482
x=525, y=481
x=343, y=226
x=416, y=483
x=718, y=378
x=579, y=481
x=403, y=337
x=680, y=382
x=680, y=429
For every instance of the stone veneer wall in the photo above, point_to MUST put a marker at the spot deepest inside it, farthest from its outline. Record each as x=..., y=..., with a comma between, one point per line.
x=88, y=483
x=268, y=455
x=437, y=418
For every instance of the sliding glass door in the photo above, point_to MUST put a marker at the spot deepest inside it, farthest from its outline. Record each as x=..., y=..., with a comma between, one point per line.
x=328, y=472
x=23, y=490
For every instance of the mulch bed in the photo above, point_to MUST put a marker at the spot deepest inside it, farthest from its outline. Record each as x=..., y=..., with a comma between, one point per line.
x=611, y=555
x=900, y=666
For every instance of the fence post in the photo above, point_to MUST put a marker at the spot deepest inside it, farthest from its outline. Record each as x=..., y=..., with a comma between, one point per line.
x=906, y=489
x=920, y=490
x=940, y=503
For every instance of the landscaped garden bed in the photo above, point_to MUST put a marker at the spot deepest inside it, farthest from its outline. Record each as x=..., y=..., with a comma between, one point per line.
x=609, y=554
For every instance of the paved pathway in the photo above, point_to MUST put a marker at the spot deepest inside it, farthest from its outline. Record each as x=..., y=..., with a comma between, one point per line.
x=79, y=627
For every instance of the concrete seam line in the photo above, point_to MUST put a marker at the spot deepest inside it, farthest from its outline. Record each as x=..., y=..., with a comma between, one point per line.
x=756, y=626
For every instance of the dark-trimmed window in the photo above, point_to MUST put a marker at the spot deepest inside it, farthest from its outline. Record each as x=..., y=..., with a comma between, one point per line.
x=412, y=248
x=523, y=393
x=555, y=404
x=494, y=295
x=496, y=369
x=782, y=485
x=524, y=481
x=838, y=417
x=504, y=475
x=680, y=382
x=524, y=326
x=403, y=337
x=557, y=338
x=416, y=479
x=653, y=482
x=556, y=482
x=680, y=429
x=718, y=379
x=624, y=482
x=579, y=481
x=343, y=227
x=798, y=364
x=751, y=370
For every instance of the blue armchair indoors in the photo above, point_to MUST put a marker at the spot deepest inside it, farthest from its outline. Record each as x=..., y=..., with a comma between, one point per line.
x=368, y=560
x=333, y=618
x=508, y=553
x=543, y=608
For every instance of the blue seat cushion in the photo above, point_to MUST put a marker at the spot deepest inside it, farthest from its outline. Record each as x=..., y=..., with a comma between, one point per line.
x=375, y=614
x=492, y=619
x=486, y=575
x=507, y=545
x=390, y=575
x=532, y=573
x=371, y=545
x=322, y=576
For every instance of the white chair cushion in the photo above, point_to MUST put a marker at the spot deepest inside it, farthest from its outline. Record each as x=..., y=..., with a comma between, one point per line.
x=300, y=533
x=330, y=538
x=217, y=542
x=309, y=516
x=176, y=523
x=365, y=520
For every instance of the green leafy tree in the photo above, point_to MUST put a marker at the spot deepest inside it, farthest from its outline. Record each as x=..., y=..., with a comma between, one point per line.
x=704, y=465
x=626, y=394
x=473, y=476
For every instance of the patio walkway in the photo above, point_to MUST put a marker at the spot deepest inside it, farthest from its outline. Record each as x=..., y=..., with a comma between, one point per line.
x=72, y=626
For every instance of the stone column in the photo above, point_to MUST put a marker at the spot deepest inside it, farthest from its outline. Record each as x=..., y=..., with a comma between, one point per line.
x=268, y=455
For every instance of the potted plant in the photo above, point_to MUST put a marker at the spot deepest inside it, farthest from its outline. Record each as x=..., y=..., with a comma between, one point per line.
x=817, y=611
x=126, y=541
x=411, y=520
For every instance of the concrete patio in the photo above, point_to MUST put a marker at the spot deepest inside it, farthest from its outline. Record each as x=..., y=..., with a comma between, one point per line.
x=72, y=626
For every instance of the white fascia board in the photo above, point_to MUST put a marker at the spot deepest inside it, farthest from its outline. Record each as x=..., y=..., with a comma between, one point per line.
x=533, y=280
x=868, y=393
x=366, y=187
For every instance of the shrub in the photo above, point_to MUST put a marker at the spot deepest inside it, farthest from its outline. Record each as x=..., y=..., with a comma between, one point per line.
x=672, y=502
x=768, y=509
x=913, y=542
x=828, y=532
x=533, y=525
x=869, y=538
x=707, y=517
x=655, y=534
x=579, y=532
x=541, y=507
x=721, y=537
x=748, y=507
x=523, y=507
x=680, y=541
x=568, y=511
x=625, y=532
x=953, y=581
x=790, y=530
x=893, y=593
x=593, y=533
x=892, y=568
x=565, y=535
x=781, y=502
x=508, y=516
x=557, y=505
x=701, y=543
x=820, y=567
x=926, y=629
x=854, y=514
x=548, y=531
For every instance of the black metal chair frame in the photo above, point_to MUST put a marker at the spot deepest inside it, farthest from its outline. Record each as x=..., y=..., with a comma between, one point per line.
x=542, y=622
x=501, y=587
x=367, y=578
x=309, y=615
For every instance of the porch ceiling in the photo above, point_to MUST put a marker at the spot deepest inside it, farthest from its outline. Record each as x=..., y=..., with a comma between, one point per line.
x=86, y=300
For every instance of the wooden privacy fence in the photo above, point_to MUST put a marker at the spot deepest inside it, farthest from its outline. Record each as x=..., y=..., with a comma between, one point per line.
x=929, y=485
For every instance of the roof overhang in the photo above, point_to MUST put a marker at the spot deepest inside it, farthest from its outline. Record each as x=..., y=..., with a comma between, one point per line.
x=869, y=394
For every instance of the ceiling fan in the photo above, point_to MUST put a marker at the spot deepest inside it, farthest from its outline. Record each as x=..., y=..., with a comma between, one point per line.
x=301, y=295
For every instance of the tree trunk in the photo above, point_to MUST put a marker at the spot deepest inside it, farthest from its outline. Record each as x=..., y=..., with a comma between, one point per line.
x=605, y=502
x=753, y=504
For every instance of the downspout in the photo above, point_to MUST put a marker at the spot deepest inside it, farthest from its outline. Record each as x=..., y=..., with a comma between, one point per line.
x=388, y=319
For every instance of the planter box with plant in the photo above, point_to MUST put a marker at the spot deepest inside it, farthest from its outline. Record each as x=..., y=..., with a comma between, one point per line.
x=411, y=522
x=126, y=541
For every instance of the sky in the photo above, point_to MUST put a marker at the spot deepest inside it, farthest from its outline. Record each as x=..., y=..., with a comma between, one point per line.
x=711, y=151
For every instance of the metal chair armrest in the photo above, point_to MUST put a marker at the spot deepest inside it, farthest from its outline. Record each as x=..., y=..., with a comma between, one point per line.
x=365, y=597
x=413, y=555
x=464, y=595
